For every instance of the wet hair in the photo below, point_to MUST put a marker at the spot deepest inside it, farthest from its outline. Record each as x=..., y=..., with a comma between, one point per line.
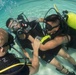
x=8, y=21
x=8, y=37
x=53, y=18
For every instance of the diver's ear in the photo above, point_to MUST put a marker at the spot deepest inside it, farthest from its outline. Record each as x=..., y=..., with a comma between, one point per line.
x=1, y=50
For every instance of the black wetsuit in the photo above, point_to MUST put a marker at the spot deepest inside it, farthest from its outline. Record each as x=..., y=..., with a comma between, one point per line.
x=72, y=33
x=49, y=54
x=10, y=59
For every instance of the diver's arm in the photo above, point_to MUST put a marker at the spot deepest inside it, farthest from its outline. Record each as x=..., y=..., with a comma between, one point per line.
x=35, y=60
x=54, y=43
x=35, y=18
x=31, y=38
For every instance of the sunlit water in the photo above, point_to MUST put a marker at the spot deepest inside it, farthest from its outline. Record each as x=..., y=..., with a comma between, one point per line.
x=36, y=8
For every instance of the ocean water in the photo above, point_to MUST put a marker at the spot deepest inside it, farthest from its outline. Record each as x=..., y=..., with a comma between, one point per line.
x=37, y=8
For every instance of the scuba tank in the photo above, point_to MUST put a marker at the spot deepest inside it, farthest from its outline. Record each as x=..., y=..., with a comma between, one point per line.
x=71, y=20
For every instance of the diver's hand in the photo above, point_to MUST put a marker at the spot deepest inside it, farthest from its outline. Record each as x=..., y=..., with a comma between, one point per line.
x=22, y=36
x=36, y=44
x=41, y=19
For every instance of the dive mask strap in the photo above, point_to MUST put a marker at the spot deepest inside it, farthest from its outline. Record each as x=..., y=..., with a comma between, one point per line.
x=49, y=27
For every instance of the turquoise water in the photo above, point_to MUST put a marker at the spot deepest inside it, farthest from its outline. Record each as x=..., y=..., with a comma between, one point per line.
x=35, y=8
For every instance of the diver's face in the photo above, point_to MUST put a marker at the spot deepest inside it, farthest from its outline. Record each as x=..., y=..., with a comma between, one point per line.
x=52, y=27
x=14, y=25
x=3, y=50
x=3, y=47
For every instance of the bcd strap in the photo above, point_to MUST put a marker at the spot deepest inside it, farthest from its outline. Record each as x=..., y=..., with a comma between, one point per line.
x=12, y=66
x=29, y=64
x=45, y=38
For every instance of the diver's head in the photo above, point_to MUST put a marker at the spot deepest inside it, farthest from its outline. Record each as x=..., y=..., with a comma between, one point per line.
x=52, y=23
x=12, y=24
x=3, y=42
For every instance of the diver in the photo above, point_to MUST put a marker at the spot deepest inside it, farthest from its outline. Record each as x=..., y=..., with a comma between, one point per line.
x=51, y=46
x=9, y=63
x=54, y=45
x=19, y=25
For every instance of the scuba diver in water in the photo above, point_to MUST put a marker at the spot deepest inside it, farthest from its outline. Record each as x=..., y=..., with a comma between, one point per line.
x=51, y=44
x=19, y=25
x=54, y=44
x=9, y=63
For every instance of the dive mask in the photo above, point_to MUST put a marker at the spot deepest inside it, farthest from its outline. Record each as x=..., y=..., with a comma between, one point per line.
x=14, y=25
x=6, y=44
x=49, y=27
